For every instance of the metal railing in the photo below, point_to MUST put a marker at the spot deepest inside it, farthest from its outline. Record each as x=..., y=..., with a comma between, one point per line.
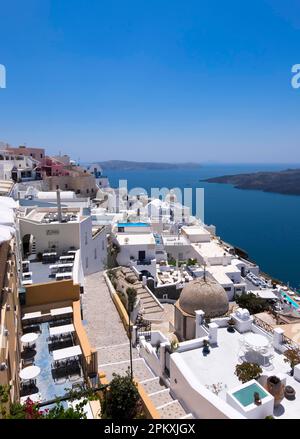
x=263, y=325
x=290, y=344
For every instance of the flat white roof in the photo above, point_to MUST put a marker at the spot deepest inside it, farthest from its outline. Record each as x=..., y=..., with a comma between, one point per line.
x=195, y=230
x=210, y=249
x=219, y=275
x=135, y=238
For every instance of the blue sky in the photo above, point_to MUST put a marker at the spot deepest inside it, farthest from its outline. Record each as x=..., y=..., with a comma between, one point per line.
x=159, y=80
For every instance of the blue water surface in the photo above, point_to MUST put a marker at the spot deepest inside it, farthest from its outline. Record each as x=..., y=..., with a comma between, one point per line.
x=266, y=225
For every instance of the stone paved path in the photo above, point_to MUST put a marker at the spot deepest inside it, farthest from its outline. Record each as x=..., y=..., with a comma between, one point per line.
x=107, y=334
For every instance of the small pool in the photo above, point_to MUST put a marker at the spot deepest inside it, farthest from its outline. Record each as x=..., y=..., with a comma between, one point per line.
x=295, y=304
x=245, y=396
x=133, y=225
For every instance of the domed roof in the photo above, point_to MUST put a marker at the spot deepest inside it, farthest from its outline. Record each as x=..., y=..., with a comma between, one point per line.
x=206, y=295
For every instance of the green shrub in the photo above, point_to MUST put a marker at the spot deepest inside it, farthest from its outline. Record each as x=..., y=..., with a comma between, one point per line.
x=252, y=303
x=122, y=398
x=247, y=371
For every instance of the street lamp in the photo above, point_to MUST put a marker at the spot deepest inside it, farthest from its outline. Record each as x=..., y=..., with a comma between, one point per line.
x=131, y=297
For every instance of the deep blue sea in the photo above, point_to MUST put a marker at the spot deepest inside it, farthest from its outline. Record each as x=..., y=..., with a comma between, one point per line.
x=266, y=225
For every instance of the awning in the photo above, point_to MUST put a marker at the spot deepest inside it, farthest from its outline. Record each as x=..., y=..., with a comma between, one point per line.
x=266, y=294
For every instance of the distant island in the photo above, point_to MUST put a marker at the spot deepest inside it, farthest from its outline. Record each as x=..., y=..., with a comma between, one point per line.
x=281, y=182
x=123, y=165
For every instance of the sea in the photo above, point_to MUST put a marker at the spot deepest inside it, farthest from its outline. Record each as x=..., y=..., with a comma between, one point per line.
x=265, y=225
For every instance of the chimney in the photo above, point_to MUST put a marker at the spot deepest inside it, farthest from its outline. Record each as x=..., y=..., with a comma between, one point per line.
x=58, y=204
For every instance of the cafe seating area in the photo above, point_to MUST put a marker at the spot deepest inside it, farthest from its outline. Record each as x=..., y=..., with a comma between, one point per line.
x=51, y=355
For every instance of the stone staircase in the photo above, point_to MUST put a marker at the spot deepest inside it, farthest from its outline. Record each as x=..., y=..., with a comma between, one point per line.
x=166, y=405
x=114, y=359
x=151, y=308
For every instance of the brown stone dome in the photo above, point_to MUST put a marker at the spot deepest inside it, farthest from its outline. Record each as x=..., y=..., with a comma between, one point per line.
x=206, y=295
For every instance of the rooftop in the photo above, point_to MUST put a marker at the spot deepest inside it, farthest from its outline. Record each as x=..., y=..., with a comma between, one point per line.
x=210, y=249
x=135, y=239
x=207, y=371
x=51, y=216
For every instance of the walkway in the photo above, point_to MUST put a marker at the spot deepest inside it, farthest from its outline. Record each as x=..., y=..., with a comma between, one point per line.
x=107, y=334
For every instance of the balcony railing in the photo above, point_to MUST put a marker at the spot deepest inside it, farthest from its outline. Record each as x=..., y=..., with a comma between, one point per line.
x=290, y=344
x=263, y=325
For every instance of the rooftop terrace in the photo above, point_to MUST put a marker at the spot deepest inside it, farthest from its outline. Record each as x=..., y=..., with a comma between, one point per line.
x=207, y=371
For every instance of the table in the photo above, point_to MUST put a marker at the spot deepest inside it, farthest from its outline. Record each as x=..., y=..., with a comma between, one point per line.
x=62, y=354
x=32, y=315
x=69, y=264
x=30, y=337
x=57, y=330
x=63, y=258
x=256, y=341
x=63, y=275
x=72, y=252
x=61, y=311
x=29, y=373
x=27, y=282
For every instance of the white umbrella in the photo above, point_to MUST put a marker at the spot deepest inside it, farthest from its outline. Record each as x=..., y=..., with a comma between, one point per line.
x=8, y=202
x=6, y=216
x=5, y=234
x=29, y=373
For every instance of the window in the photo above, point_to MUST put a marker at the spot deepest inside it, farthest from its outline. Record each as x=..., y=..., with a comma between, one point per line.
x=66, y=186
x=87, y=191
x=86, y=262
x=95, y=253
x=165, y=296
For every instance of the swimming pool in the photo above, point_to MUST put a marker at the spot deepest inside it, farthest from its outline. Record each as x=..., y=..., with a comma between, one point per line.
x=295, y=304
x=245, y=396
x=133, y=225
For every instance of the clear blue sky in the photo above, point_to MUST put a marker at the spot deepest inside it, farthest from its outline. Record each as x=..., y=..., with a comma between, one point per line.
x=159, y=80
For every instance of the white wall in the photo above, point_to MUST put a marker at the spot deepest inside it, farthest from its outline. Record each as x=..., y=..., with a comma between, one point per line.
x=64, y=235
x=196, y=398
x=93, y=250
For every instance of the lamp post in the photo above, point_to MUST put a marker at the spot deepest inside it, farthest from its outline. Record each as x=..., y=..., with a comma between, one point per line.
x=131, y=297
x=130, y=338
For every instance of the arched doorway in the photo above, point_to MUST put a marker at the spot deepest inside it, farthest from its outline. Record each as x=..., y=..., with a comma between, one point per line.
x=28, y=244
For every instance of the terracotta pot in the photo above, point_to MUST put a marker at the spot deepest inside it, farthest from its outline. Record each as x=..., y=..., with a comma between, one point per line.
x=275, y=387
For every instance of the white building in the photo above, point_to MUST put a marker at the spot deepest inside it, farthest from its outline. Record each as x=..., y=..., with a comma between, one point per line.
x=18, y=167
x=136, y=245
x=41, y=230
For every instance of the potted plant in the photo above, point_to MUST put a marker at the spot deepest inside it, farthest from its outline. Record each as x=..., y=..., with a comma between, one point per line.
x=174, y=345
x=231, y=324
x=276, y=388
x=292, y=357
x=206, y=346
x=247, y=371
x=256, y=398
